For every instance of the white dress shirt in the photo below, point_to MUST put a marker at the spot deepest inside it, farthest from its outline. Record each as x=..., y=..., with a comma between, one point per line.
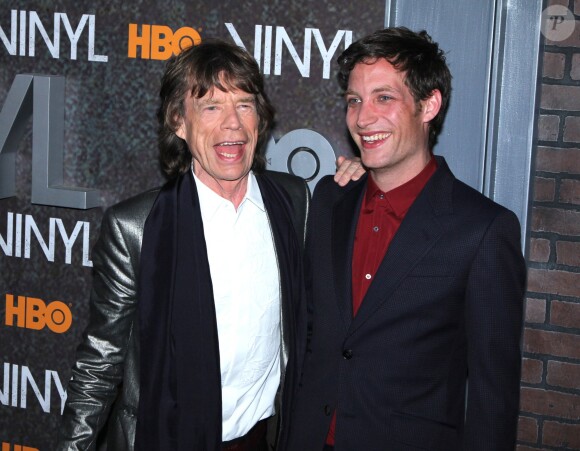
x=246, y=288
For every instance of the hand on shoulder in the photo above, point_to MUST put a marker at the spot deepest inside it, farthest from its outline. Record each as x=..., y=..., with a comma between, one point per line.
x=348, y=169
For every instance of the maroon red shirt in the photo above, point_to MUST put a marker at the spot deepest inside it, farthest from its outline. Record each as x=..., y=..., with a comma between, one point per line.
x=379, y=219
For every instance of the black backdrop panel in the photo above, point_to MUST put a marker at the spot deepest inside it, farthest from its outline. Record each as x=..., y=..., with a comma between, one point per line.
x=109, y=145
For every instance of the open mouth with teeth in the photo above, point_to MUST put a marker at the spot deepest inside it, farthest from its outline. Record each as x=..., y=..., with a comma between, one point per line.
x=373, y=139
x=230, y=149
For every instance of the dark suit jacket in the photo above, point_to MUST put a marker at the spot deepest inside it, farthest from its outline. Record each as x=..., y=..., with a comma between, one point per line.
x=104, y=388
x=445, y=306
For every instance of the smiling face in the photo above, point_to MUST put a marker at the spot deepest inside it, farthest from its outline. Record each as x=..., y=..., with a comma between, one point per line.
x=389, y=127
x=221, y=131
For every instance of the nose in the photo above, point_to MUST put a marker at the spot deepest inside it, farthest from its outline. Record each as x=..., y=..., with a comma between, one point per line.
x=231, y=118
x=365, y=115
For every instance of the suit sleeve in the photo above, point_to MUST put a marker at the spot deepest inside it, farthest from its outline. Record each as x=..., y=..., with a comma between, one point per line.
x=98, y=370
x=494, y=307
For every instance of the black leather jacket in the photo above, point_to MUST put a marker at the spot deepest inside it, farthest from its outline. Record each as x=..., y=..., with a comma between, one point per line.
x=104, y=386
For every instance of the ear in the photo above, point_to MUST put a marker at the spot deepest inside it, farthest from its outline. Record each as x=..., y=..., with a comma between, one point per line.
x=431, y=106
x=180, y=129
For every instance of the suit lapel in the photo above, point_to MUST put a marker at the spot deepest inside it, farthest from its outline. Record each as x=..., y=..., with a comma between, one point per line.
x=286, y=245
x=344, y=221
x=417, y=234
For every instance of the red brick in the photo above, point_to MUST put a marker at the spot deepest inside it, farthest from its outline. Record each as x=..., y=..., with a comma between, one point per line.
x=539, y=250
x=556, y=220
x=527, y=448
x=571, y=129
x=552, y=343
x=566, y=314
x=532, y=371
x=551, y=159
x=576, y=5
x=560, y=97
x=561, y=435
x=549, y=403
x=554, y=65
x=570, y=191
x=535, y=310
x=568, y=253
x=544, y=189
x=528, y=430
x=563, y=283
x=548, y=127
x=563, y=374
x=575, y=71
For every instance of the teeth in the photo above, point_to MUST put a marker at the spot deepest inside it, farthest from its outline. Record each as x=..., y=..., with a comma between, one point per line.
x=377, y=137
x=230, y=143
x=233, y=143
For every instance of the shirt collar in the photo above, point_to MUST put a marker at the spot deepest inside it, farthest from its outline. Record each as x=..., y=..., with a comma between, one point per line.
x=210, y=200
x=253, y=193
x=399, y=199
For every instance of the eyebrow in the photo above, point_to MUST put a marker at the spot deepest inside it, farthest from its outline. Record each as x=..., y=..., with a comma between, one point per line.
x=209, y=101
x=214, y=101
x=374, y=91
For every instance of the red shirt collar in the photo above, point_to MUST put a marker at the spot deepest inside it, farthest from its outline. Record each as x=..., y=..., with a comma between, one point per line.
x=400, y=198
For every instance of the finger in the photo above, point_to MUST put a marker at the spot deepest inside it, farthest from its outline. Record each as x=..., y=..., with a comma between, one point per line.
x=346, y=172
x=358, y=170
x=342, y=167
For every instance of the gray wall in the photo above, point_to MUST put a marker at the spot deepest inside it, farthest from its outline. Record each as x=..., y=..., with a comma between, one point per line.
x=492, y=50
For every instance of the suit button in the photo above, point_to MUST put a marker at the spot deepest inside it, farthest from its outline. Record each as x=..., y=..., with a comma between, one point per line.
x=327, y=410
x=347, y=354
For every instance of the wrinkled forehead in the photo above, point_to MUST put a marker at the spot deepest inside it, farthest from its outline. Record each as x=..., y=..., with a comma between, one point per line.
x=208, y=84
x=218, y=96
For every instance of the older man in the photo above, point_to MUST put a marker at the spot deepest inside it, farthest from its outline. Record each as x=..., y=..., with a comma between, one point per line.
x=196, y=306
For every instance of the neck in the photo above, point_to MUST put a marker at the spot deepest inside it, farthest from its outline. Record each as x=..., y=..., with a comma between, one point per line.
x=390, y=178
x=232, y=190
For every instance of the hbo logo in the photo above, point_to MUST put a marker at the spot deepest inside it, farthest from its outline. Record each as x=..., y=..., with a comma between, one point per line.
x=302, y=152
x=159, y=42
x=35, y=314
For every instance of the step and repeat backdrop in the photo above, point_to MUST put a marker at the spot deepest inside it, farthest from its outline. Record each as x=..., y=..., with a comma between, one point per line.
x=79, y=87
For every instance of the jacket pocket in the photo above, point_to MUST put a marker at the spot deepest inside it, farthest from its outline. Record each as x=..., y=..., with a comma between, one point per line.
x=420, y=433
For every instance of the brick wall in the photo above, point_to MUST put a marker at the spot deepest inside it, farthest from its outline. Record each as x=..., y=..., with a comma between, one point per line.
x=550, y=389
